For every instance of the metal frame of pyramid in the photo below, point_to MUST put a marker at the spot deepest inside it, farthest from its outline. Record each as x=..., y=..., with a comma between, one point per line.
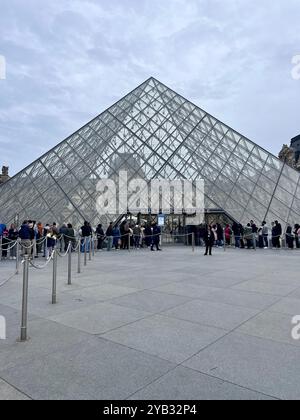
x=155, y=133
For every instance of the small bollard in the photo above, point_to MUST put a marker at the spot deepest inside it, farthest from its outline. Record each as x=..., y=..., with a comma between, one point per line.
x=93, y=242
x=129, y=242
x=85, y=251
x=70, y=264
x=0, y=248
x=90, y=248
x=79, y=257
x=54, y=277
x=193, y=241
x=17, y=257
x=25, y=299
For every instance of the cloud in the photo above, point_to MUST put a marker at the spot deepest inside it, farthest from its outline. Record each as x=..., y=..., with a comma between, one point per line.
x=69, y=60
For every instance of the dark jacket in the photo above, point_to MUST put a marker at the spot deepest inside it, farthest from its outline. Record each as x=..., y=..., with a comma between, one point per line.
x=86, y=231
x=236, y=229
x=24, y=232
x=110, y=231
x=156, y=234
x=13, y=234
x=209, y=237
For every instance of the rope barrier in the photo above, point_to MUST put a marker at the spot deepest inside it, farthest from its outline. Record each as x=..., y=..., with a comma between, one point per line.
x=66, y=253
x=41, y=267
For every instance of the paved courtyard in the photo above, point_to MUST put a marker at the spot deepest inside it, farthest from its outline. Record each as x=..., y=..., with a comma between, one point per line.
x=170, y=325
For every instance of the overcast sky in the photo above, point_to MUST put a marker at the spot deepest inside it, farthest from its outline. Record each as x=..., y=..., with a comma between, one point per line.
x=68, y=60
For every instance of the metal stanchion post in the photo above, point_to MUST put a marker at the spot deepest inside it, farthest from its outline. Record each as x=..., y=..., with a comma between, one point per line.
x=0, y=248
x=93, y=243
x=25, y=299
x=54, y=277
x=90, y=248
x=70, y=264
x=79, y=257
x=224, y=240
x=129, y=242
x=85, y=251
x=17, y=256
x=193, y=241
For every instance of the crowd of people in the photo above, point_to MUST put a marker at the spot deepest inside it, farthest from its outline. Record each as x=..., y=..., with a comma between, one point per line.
x=40, y=240
x=249, y=236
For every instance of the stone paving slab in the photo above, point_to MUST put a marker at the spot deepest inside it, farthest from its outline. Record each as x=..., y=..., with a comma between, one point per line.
x=99, y=318
x=171, y=339
x=270, y=325
x=265, y=366
x=95, y=369
x=187, y=384
x=239, y=298
x=219, y=315
x=9, y=393
x=150, y=301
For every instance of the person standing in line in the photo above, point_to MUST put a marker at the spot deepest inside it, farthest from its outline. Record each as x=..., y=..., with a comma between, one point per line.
x=248, y=234
x=86, y=233
x=242, y=232
x=289, y=237
x=126, y=237
x=156, y=233
x=51, y=241
x=13, y=236
x=70, y=237
x=39, y=238
x=100, y=237
x=277, y=234
x=265, y=235
x=228, y=234
x=209, y=239
x=24, y=234
x=297, y=235
x=110, y=236
x=62, y=237
x=220, y=233
x=137, y=236
x=5, y=244
x=260, y=237
x=237, y=234
x=148, y=235
x=117, y=237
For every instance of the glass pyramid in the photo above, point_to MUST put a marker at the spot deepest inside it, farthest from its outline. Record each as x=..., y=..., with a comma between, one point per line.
x=153, y=133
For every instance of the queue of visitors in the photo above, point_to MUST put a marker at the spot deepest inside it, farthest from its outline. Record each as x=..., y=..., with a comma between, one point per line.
x=37, y=239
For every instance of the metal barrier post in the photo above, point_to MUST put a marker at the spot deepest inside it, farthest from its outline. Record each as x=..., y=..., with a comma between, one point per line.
x=17, y=257
x=224, y=240
x=193, y=241
x=90, y=248
x=85, y=252
x=129, y=242
x=70, y=264
x=54, y=277
x=0, y=248
x=79, y=257
x=25, y=299
x=93, y=243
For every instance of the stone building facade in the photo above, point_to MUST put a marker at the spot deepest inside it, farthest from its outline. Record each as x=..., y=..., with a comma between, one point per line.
x=4, y=175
